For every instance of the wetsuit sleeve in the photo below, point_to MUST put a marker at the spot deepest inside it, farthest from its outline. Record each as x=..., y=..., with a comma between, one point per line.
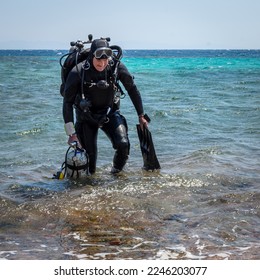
x=72, y=87
x=128, y=82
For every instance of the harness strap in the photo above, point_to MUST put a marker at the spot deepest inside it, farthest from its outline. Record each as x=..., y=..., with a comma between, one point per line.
x=74, y=167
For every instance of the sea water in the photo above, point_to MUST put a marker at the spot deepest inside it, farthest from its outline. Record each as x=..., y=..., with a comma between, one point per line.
x=203, y=204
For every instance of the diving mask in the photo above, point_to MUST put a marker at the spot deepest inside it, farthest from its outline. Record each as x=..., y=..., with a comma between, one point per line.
x=103, y=53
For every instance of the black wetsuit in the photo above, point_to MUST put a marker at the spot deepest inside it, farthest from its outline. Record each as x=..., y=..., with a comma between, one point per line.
x=103, y=111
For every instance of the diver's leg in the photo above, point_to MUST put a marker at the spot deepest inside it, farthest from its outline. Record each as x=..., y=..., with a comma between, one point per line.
x=87, y=135
x=117, y=131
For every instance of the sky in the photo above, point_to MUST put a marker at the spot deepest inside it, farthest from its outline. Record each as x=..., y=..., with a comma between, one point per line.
x=132, y=24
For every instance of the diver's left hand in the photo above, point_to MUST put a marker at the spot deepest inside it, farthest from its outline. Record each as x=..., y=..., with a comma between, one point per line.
x=143, y=122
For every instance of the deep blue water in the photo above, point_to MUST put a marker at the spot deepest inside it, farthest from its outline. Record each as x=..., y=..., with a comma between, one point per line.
x=205, y=111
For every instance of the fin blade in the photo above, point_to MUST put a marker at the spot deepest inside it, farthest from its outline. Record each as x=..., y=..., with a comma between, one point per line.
x=147, y=149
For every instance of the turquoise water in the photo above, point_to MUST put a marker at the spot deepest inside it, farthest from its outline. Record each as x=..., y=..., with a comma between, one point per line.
x=203, y=204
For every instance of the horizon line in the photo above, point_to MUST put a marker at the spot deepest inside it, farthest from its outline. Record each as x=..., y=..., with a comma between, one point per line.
x=126, y=49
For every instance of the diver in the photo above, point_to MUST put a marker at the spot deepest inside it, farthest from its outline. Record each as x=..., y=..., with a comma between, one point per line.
x=91, y=89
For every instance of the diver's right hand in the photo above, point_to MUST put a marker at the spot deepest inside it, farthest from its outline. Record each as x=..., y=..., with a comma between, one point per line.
x=74, y=138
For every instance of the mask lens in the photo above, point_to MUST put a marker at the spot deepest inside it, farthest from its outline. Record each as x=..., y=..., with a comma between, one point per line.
x=103, y=53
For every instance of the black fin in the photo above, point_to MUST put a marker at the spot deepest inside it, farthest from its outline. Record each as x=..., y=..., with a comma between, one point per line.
x=147, y=148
